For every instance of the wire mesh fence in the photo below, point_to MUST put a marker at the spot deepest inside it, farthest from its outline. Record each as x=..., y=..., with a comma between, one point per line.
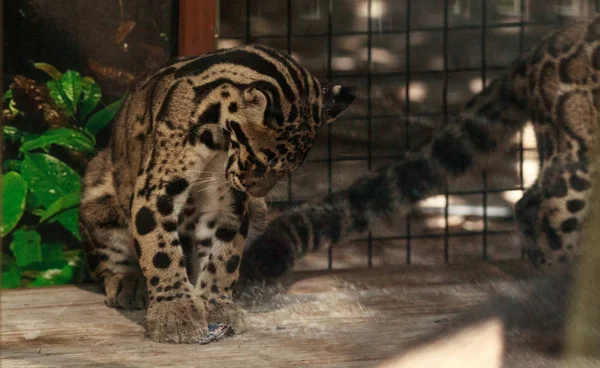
x=415, y=63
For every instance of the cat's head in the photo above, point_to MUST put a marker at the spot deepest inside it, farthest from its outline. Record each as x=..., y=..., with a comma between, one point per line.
x=278, y=119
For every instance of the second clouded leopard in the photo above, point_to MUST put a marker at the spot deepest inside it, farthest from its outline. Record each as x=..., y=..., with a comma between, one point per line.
x=194, y=148
x=556, y=86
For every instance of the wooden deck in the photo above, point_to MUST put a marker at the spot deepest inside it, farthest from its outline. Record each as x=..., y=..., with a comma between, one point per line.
x=352, y=318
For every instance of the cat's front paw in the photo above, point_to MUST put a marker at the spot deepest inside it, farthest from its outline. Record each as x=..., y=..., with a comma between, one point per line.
x=127, y=290
x=227, y=313
x=181, y=321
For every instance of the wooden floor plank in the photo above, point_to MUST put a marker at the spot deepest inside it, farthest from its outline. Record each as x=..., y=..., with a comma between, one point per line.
x=339, y=319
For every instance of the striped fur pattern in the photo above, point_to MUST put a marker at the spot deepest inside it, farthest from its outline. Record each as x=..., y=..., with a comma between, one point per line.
x=556, y=86
x=168, y=206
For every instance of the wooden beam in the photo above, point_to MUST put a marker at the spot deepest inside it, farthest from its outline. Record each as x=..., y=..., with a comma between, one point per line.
x=197, y=22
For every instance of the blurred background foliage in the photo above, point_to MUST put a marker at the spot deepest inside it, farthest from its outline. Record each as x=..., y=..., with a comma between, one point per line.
x=57, y=115
x=49, y=130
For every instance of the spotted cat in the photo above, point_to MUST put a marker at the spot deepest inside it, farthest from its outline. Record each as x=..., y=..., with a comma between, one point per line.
x=556, y=86
x=194, y=149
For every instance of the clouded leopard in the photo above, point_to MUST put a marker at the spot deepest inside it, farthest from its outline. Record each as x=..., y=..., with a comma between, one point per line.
x=194, y=149
x=556, y=86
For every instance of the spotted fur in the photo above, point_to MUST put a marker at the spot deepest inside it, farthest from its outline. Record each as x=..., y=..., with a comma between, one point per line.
x=168, y=206
x=556, y=86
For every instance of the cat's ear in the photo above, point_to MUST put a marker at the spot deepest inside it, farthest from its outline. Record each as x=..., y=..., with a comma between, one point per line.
x=336, y=99
x=258, y=106
x=254, y=99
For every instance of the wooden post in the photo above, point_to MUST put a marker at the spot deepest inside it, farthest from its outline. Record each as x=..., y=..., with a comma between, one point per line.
x=197, y=23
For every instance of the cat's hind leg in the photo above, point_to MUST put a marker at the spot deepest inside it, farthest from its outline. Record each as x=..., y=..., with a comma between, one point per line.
x=112, y=258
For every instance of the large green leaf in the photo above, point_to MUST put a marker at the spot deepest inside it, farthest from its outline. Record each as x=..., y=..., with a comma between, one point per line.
x=71, y=85
x=49, y=69
x=12, y=133
x=62, y=204
x=26, y=247
x=66, y=137
x=33, y=204
x=70, y=220
x=14, y=193
x=99, y=120
x=50, y=179
x=90, y=96
x=58, y=95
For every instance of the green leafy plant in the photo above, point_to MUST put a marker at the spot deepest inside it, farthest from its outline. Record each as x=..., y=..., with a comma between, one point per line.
x=50, y=134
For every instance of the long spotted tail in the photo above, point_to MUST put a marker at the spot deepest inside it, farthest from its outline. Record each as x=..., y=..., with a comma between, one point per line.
x=461, y=146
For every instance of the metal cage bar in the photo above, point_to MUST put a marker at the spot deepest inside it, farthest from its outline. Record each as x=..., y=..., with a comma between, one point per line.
x=486, y=24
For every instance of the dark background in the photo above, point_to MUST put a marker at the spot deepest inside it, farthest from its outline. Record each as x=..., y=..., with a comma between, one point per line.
x=85, y=36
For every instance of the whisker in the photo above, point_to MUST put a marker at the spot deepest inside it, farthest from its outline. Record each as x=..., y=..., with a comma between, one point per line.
x=215, y=186
x=228, y=187
x=205, y=182
x=210, y=177
x=207, y=188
